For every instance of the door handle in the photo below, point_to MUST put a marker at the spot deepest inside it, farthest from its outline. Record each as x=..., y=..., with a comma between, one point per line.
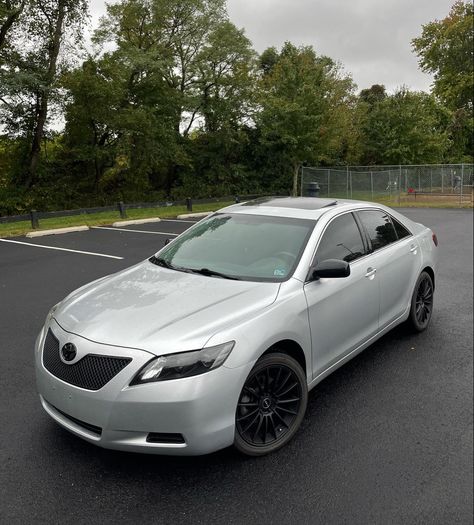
x=371, y=273
x=413, y=248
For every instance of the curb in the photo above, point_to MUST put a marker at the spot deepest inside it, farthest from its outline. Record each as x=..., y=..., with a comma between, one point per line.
x=195, y=215
x=57, y=231
x=118, y=224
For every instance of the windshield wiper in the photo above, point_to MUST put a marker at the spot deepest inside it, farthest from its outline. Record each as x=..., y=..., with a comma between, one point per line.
x=203, y=271
x=213, y=273
x=161, y=262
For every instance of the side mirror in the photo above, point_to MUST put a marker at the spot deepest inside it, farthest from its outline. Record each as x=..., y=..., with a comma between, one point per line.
x=167, y=241
x=330, y=268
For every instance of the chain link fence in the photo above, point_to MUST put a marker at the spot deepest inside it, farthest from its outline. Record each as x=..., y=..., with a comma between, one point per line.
x=442, y=183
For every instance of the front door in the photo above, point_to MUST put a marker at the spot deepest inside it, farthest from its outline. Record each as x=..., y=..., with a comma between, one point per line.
x=343, y=312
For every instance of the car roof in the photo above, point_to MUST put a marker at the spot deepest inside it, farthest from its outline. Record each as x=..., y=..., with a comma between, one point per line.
x=298, y=203
x=297, y=207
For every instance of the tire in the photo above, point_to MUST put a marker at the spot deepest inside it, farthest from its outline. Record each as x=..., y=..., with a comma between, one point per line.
x=422, y=303
x=271, y=405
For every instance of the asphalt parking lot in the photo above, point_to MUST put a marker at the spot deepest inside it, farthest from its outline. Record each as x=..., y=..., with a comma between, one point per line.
x=387, y=438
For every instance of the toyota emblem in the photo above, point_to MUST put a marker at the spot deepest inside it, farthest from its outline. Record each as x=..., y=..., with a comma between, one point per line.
x=68, y=352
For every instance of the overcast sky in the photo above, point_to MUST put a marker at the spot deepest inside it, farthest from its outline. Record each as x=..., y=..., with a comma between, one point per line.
x=371, y=38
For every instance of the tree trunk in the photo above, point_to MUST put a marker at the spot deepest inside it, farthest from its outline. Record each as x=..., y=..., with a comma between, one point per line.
x=296, y=172
x=42, y=107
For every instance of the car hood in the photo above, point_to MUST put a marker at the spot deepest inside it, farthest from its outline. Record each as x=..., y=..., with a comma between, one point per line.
x=160, y=310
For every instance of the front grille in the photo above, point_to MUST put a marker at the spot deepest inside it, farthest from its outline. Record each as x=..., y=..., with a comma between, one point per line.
x=87, y=426
x=91, y=372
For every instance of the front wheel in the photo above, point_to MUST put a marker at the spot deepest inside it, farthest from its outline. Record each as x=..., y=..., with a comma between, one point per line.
x=422, y=303
x=271, y=405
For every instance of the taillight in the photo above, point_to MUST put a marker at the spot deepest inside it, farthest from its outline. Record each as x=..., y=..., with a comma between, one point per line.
x=435, y=239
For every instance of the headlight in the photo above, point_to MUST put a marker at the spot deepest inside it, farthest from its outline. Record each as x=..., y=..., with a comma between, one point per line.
x=185, y=364
x=50, y=315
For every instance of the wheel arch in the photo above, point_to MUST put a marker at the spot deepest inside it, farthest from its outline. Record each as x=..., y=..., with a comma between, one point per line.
x=431, y=273
x=291, y=348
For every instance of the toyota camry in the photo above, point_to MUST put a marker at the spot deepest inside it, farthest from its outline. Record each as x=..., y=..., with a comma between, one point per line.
x=217, y=338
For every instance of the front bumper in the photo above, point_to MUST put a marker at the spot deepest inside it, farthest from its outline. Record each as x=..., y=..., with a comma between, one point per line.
x=119, y=416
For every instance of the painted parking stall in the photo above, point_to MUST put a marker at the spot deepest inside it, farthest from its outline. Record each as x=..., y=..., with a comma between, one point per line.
x=388, y=436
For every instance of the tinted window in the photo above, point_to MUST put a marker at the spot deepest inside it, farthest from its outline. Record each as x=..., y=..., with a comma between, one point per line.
x=402, y=232
x=341, y=240
x=379, y=227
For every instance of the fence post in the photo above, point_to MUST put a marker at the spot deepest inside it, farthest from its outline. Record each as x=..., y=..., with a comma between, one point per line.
x=34, y=219
x=329, y=183
x=121, y=209
x=399, y=187
x=462, y=183
x=189, y=204
x=302, y=180
x=372, y=184
x=400, y=183
x=347, y=182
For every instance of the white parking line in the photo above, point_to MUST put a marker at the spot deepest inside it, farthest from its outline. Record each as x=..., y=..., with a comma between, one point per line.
x=177, y=220
x=133, y=231
x=62, y=249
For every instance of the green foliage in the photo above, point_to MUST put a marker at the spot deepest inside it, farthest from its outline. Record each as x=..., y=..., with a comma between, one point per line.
x=404, y=128
x=174, y=102
x=30, y=65
x=177, y=66
x=446, y=48
x=304, y=99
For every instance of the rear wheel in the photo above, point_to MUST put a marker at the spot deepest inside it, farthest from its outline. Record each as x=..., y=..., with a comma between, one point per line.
x=422, y=303
x=271, y=405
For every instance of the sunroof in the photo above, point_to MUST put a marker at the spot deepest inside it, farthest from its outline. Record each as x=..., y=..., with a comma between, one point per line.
x=298, y=203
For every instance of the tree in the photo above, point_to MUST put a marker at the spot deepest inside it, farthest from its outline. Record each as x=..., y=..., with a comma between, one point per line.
x=95, y=96
x=374, y=94
x=10, y=11
x=30, y=77
x=225, y=80
x=178, y=68
x=404, y=128
x=304, y=104
x=446, y=49
x=173, y=33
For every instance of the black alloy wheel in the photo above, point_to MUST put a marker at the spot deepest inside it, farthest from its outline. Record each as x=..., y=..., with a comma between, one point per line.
x=271, y=405
x=422, y=303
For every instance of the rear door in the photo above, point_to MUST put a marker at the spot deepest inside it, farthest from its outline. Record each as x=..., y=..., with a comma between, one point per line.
x=343, y=313
x=396, y=257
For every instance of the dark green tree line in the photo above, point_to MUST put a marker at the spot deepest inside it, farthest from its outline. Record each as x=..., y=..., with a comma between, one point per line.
x=172, y=101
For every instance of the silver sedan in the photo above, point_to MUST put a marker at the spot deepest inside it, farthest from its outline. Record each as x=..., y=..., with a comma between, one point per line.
x=217, y=338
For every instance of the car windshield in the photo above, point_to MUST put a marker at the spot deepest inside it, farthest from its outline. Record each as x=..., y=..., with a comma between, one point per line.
x=238, y=246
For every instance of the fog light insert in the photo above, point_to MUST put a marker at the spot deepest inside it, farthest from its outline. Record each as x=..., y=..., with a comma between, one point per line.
x=164, y=438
